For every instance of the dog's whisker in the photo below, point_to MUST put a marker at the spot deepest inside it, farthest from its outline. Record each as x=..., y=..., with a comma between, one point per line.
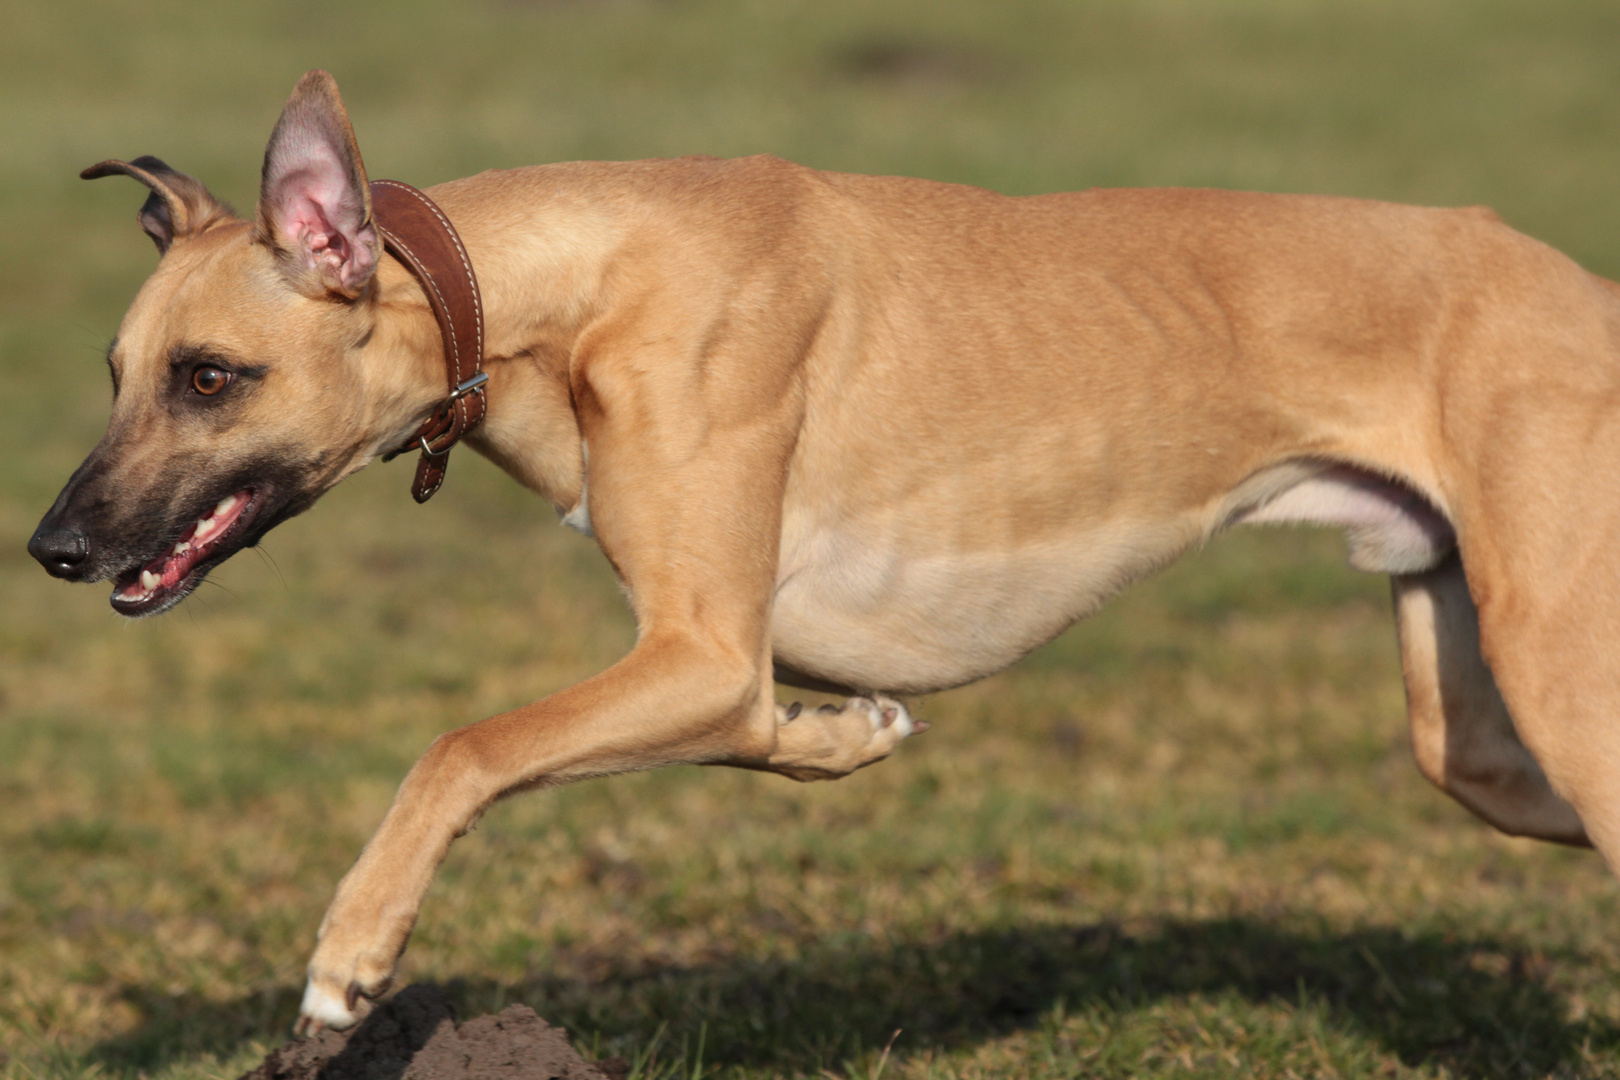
x=270, y=560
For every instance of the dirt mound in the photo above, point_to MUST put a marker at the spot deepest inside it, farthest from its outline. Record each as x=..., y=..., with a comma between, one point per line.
x=414, y=1036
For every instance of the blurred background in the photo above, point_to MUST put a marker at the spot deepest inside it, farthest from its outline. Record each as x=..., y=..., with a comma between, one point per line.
x=1187, y=838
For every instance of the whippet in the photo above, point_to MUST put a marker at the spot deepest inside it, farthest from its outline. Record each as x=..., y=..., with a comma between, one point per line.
x=885, y=435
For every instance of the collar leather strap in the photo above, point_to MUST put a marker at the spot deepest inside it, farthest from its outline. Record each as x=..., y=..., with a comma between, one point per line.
x=417, y=233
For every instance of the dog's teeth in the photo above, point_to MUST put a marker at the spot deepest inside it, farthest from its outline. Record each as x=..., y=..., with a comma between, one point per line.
x=182, y=547
x=224, y=506
x=150, y=581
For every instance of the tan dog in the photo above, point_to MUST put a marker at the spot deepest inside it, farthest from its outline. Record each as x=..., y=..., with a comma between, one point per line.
x=888, y=435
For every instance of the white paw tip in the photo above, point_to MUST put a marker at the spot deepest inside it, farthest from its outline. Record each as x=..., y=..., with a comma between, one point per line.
x=321, y=1009
x=888, y=715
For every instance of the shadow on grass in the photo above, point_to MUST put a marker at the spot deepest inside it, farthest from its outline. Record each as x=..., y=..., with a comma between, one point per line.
x=1473, y=1006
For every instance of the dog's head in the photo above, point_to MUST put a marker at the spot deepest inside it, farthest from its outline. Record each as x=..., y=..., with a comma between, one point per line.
x=246, y=375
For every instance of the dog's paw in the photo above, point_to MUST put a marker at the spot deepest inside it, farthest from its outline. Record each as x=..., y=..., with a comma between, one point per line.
x=328, y=1004
x=322, y=1009
x=834, y=740
x=888, y=719
x=339, y=995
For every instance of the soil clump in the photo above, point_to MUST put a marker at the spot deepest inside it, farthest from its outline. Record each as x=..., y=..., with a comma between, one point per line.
x=414, y=1036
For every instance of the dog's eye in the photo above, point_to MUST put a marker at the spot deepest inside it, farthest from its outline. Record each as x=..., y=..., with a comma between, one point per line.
x=209, y=381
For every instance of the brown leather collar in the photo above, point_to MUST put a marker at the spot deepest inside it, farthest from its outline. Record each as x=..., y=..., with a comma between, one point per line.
x=416, y=232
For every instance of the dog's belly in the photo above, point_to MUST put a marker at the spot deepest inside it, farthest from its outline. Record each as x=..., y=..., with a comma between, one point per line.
x=868, y=613
x=892, y=608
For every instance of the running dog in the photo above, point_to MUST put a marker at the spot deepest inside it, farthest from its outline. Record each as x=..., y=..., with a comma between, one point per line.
x=885, y=436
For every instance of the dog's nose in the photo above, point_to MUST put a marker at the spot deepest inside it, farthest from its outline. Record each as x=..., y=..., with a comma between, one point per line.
x=62, y=552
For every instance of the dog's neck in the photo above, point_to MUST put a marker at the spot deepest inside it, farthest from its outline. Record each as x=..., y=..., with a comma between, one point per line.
x=538, y=271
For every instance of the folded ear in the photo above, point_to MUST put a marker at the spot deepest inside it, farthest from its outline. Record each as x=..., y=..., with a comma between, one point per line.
x=178, y=206
x=314, y=202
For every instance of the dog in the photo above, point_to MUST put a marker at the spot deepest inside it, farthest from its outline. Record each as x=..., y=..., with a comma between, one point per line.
x=885, y=436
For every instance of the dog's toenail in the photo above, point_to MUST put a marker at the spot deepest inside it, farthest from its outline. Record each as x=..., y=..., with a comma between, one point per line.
x=794, y=709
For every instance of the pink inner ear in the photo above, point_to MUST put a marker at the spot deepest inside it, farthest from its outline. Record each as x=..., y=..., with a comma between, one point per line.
x=308, y=227
x=314, y=206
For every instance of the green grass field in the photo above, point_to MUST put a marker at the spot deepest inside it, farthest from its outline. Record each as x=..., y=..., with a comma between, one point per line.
x=1185, y=839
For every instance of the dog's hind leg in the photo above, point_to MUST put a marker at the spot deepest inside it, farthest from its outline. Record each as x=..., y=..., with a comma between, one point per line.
x=1462, y=734
x=1549, y=617
x=1533, y=436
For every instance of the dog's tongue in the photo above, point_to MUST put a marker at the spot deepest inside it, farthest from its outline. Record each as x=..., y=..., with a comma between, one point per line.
x=173, y=566
x=167, y=570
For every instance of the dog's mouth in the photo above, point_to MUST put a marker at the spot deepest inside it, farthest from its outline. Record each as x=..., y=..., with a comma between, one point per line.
x=164, y=581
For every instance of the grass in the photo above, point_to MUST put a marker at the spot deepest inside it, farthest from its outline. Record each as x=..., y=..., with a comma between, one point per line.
x=1184, y=839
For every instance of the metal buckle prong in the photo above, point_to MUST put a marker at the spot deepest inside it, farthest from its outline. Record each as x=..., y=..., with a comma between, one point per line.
x=475, y=383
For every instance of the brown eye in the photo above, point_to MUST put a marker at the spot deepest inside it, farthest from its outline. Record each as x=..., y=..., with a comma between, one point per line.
x=209, y=381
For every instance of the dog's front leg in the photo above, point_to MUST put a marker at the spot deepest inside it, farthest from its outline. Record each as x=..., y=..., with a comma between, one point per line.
x=675, y=698
x=672, y=700
x=686, y=479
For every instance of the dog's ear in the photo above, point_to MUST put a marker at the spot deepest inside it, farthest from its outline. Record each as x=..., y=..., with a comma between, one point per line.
x=314, y=201
x=178, y=206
